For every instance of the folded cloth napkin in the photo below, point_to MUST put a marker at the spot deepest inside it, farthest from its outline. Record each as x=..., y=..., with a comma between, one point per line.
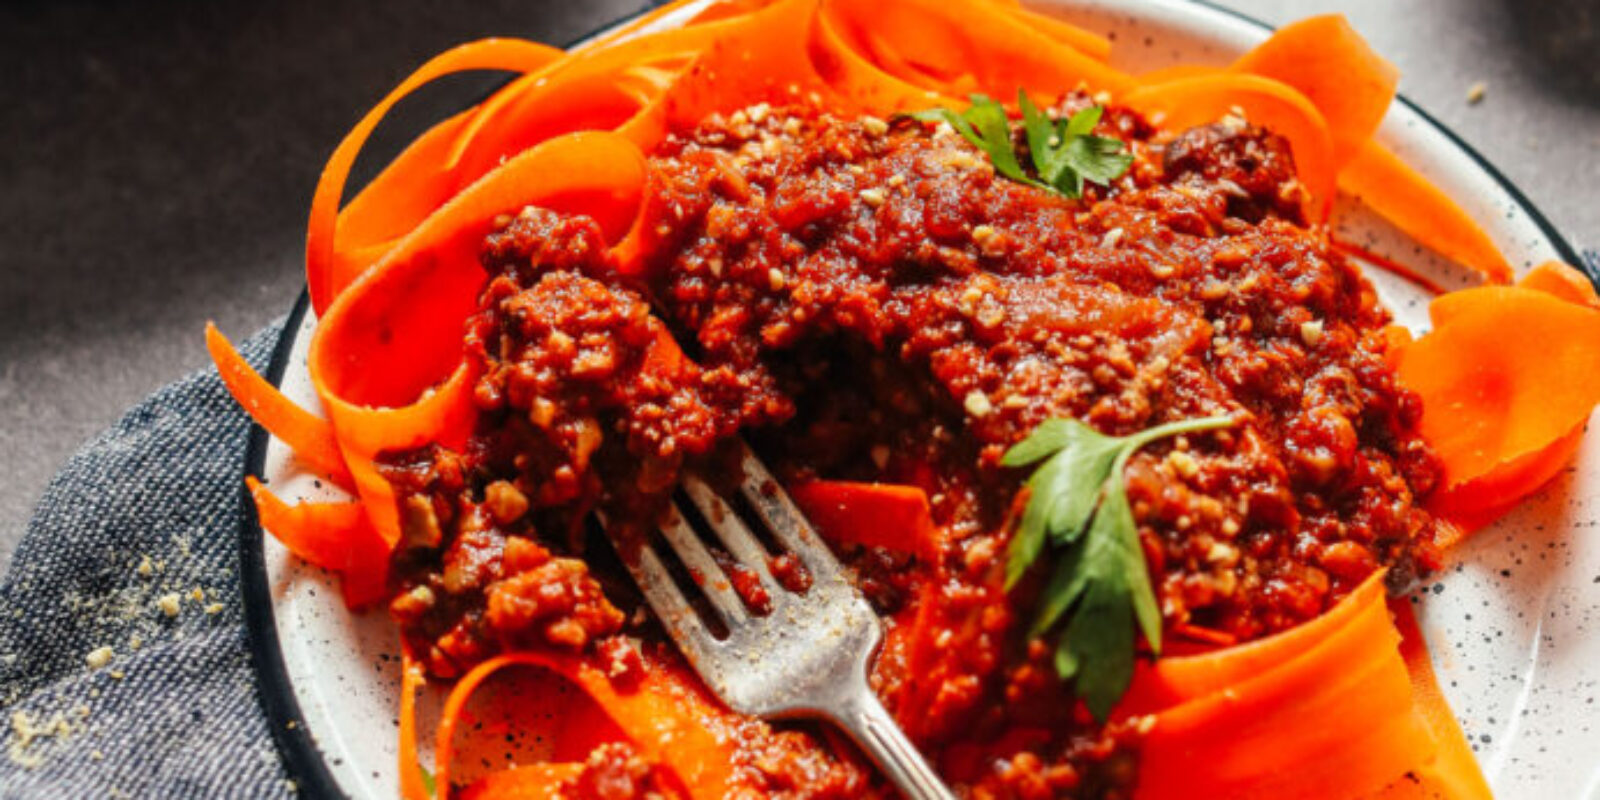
x=124, y=663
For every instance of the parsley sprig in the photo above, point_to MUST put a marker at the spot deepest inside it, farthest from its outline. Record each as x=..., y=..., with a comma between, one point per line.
x=1064, y=152
x=1078, y=507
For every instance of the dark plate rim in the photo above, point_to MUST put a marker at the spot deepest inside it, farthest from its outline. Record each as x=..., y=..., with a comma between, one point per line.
x=304, y=762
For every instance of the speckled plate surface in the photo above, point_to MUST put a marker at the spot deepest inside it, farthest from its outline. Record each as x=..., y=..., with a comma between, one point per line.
x=1513, y=623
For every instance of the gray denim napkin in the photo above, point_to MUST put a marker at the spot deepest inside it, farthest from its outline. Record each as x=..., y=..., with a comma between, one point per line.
x=124, y=668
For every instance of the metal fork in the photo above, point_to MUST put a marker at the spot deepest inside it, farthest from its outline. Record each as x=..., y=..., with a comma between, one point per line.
x=808, y=657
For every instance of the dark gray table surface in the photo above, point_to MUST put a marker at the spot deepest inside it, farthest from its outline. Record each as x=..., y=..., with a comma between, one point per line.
x=157, y=158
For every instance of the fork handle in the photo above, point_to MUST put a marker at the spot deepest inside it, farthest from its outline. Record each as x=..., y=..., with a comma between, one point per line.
x=869, y=723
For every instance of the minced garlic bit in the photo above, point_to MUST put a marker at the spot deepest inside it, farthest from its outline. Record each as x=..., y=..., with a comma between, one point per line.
x=977, y=404
x=506, y=503
x=1476, y=92
x=775, y=279
x=145, y=569
x=873, y=197
x=960, y=159
x=99, y=657
x=169, y=604
x=1185, y=464
x=1222, y=553
x=215, y=608
x=1311, y=332
x=874, y=126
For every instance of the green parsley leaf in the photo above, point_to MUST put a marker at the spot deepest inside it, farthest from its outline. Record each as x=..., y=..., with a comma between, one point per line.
x=1096, y=159
x=427, y=781
x=1060, y=500
x=1042, y=136
x=1078, y=505
x=984, y=125
x=1098, y=645
x=1083, y=122
x=994, y=128
x=1063, y=152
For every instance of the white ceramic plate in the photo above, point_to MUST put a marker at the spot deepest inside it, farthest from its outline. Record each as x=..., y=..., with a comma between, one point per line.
x=1514, y=624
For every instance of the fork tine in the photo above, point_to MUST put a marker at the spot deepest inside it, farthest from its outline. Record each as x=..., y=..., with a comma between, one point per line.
x=731, y=530
x=683, y=624
x=811, y=659
x=785, y=521
x=703, y=568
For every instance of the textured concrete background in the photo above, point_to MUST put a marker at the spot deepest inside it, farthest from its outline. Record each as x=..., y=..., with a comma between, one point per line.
x=157, y=158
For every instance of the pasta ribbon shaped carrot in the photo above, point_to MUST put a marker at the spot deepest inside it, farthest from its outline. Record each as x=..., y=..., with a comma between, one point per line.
x=1342, y=706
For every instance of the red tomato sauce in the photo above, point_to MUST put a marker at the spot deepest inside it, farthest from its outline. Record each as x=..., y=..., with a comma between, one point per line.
x=866, y=300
